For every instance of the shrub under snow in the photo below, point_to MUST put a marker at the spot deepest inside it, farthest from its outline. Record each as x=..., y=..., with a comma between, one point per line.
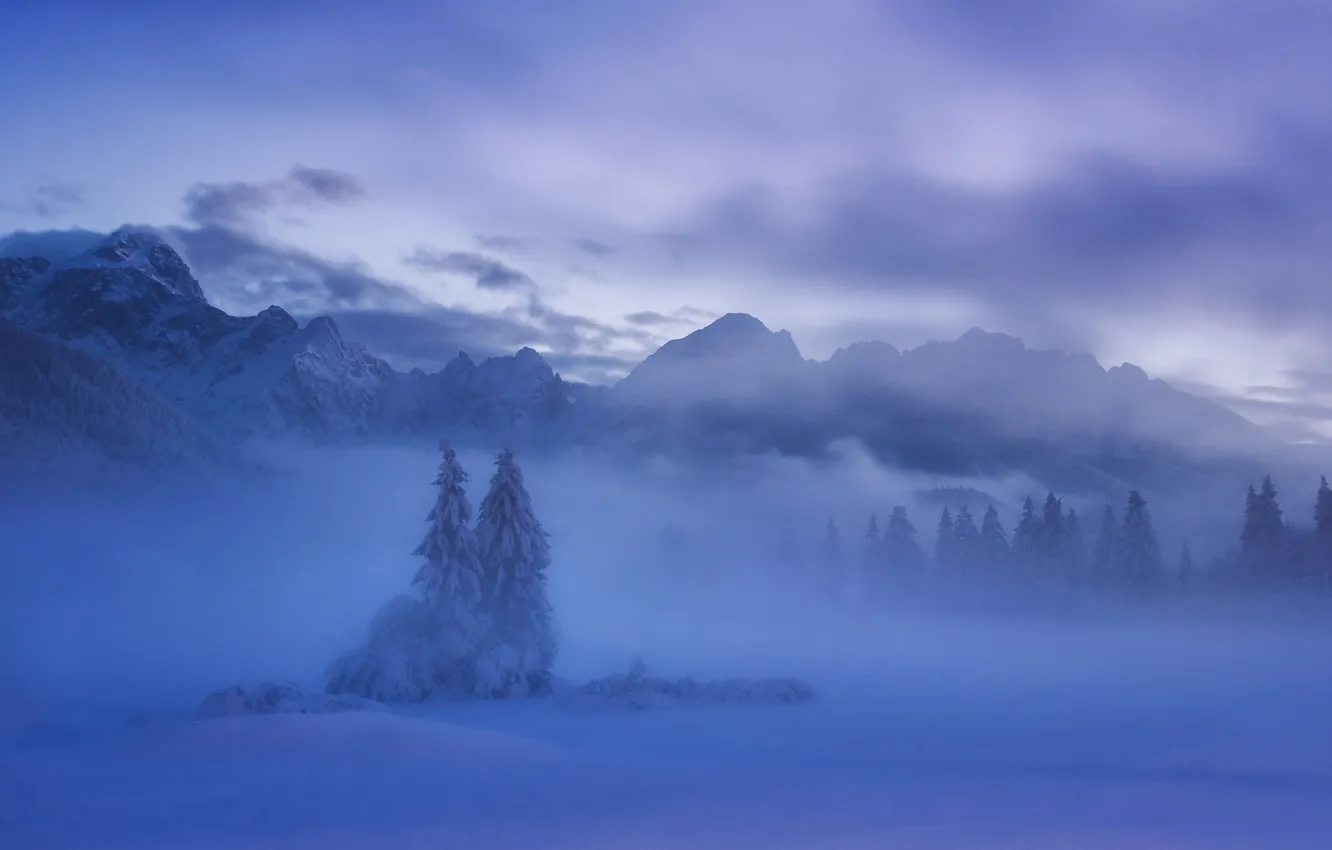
x=405, y=657
x=637, y=691
x=278, y=698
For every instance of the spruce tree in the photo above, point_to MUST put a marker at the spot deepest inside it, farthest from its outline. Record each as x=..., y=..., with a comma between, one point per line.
x=426, y=643
x=515, y=554
x=1027, y=537
x=1075, y=549
x=1053, y=534
x=945, y=545
x=1139, y=553
x=450, y=578
x=1105, y=554
x=1322, y=531
x=873, y=576
x=900, y=549
x=833, y=568
x=994, y=542
x=1263, y=539
x=871, y=553
x=1184, y=572
x=966, y=539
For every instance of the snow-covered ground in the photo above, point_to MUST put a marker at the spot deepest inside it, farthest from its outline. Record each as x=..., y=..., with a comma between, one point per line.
x=1185, y=726
x=1176, y=755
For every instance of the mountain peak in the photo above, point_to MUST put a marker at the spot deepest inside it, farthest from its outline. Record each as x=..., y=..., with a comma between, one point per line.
x=143, y=250
x=979, y=337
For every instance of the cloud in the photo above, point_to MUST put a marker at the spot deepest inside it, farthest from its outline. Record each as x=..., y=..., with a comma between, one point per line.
x=237, y=203
x=506, y=243
x=488, y=273
x=248, y=273
x=1103, y=229
x=682, y=316
x=245, y=272
x=593, y=247
x=49, y=200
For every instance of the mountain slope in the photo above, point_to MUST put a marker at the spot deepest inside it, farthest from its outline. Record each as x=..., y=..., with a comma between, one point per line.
x=60, y=405
x=982, y=404
x=130, y=298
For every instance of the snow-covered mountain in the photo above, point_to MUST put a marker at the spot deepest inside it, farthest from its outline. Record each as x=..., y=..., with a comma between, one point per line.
x=984, y=403
x=129, y=298
x=61, y=406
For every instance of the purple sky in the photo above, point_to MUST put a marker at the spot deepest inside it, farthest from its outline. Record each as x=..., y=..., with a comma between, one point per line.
x=1150, y=180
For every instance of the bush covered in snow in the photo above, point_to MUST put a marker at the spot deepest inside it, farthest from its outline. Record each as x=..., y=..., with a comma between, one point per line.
x=405, y=657
x=637, y=691
x=278, y=698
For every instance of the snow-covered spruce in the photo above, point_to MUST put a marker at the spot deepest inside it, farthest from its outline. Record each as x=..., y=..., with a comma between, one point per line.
x=427, y=642
x=450, y=580
x=515, y=553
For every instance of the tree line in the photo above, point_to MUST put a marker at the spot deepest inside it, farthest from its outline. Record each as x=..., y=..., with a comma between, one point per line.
x=1048, y=546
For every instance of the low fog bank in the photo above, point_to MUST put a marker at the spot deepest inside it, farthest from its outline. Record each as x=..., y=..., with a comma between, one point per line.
x=149, y=597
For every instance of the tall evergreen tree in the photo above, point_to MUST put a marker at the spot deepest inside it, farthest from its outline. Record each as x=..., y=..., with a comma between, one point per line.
x=1027, y=537
x=426, y=643
x=1139, y=553
x=833, y=569
x=1184, y=572
x=1322, y=531
x=515, y=554
x=873, y=574
x=450, y=578
x=966, y=539
x=1105, y=554
x=1053, y=533
x=1263, y=539
x=993, y=542
x=871, y=553
x=1075, y=548
x=945, y=544
x=900, y=549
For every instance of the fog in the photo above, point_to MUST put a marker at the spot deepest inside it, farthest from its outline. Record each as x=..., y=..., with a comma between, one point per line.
x=145, y=598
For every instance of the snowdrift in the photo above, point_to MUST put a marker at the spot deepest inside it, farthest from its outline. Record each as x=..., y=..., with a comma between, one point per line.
x=635, y=691
x=278, y=698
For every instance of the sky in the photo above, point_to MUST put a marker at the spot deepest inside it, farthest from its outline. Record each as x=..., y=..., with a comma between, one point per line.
x=1147, y=180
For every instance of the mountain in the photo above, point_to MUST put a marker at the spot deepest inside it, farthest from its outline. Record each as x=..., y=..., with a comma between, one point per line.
x=129, y=298
x=983, y=404
x=516, y=397
x=61, y=405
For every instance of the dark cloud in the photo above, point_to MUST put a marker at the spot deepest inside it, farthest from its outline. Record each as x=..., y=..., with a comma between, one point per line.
x=568, y=332
x=682, y=316
x=489, y=273
x=237, y=203
x=594, y=247
x=51, y=200
x=325, y=184
x=249, y=272
x=246, y=272
x=505, y=243
x=1103, y=229
x=648, y=318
